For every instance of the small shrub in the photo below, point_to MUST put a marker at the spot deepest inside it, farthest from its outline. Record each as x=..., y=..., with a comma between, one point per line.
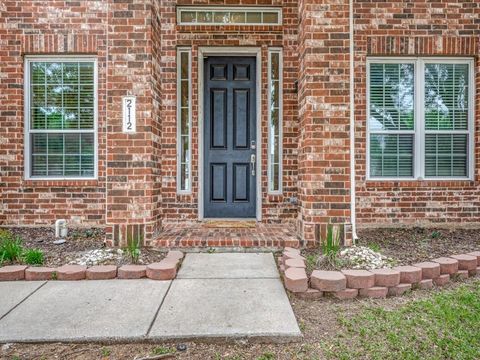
x=34, y=257
x=11, y=248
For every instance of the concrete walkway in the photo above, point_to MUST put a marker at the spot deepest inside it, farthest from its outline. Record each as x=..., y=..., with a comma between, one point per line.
x=215, y=296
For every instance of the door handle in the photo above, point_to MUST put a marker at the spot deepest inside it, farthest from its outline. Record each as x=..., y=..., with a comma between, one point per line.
x=252, y=162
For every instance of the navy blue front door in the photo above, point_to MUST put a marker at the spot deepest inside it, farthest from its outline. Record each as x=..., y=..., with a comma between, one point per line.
x=230, y=143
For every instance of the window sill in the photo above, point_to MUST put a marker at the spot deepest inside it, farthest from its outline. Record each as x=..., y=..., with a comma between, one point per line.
x=60, y=182
x=425, y=183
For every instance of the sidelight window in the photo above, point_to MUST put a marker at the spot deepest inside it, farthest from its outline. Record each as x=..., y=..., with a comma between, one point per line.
x=184, y=123
x=275, y=103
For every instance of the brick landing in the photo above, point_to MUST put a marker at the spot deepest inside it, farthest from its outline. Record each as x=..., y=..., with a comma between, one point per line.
x=181, y=235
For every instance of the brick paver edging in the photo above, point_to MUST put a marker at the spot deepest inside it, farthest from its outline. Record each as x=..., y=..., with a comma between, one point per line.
x=166, y=269
x=377, y=283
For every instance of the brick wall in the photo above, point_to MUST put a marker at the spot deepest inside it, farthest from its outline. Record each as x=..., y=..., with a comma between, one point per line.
x=119, y=34
x=414, y=28
x=323, y=161
x=135, y=43
x=132, y=159
x=47, y=27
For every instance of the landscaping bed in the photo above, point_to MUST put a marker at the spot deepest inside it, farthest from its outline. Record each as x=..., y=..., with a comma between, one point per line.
x=82, y=246
x=416, y=244
x=383, y=262
x=404, y=246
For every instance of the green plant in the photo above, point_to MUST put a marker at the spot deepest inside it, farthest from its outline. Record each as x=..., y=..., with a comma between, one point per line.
x=331, y=245
x=162, y=350
x=266, y=356
x=374, y=247
x=435, y=234
x=11, y=248
x=34, y=257
x=106, y=352
x=133, y=248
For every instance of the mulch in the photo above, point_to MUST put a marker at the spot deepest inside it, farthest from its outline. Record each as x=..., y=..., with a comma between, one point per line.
x=78, y=242
x=412, y=245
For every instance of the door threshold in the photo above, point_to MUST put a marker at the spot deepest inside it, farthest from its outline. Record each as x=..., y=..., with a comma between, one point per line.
x=229, y=219
x=230, y=223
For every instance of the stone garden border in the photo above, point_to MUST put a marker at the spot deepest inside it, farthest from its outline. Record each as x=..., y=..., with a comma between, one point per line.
x=166, y=269
x=377, y=283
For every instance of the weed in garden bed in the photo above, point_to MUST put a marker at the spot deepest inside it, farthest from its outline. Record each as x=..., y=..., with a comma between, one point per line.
x=162, y=350
x=444, y=326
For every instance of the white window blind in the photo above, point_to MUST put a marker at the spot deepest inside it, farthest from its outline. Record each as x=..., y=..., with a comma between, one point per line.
x=391, y=119
x=61, y=118
x=446, y=120
x=420, y=118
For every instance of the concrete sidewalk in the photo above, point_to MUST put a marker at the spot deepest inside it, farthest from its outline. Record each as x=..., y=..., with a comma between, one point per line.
x=215, y=296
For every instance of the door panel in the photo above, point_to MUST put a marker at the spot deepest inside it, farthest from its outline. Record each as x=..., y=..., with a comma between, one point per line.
x=219, y=118
x=230, y=137
x=241, y=123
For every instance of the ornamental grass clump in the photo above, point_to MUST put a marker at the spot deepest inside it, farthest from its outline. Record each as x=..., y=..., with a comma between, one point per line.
x=133, y=249
x=330, y=247
x=34, y=257
x=11, y=248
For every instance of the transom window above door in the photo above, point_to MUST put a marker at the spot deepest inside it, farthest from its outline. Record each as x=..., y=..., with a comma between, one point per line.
x=420, y=118
x=228, y=15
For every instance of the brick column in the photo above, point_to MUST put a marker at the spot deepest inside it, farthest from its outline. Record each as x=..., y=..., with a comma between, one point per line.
x=324, y=174
x=132, y=163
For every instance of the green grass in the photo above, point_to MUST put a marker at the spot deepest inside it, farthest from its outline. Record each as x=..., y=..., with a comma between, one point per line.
x=444, y=326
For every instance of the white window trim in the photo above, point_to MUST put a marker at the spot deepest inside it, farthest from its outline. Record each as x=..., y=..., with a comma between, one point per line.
x=229, y=9
x=181, y=191
x=419, y=123
x=26, y=91
x=280, y=121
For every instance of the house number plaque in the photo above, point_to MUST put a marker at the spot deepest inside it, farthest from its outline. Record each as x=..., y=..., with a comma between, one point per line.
x=129, y=119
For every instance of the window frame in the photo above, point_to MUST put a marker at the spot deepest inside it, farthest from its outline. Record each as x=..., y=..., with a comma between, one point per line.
x=228, y=9
x=28, y=131
x=419, y=118
x=278, y=51
x=181, y=191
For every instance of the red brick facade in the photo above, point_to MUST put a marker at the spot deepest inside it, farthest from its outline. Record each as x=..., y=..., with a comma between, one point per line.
x=415, y=28
x=135, y=44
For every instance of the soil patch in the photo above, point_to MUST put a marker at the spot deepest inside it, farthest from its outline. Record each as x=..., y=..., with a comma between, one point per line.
x=79, y=243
